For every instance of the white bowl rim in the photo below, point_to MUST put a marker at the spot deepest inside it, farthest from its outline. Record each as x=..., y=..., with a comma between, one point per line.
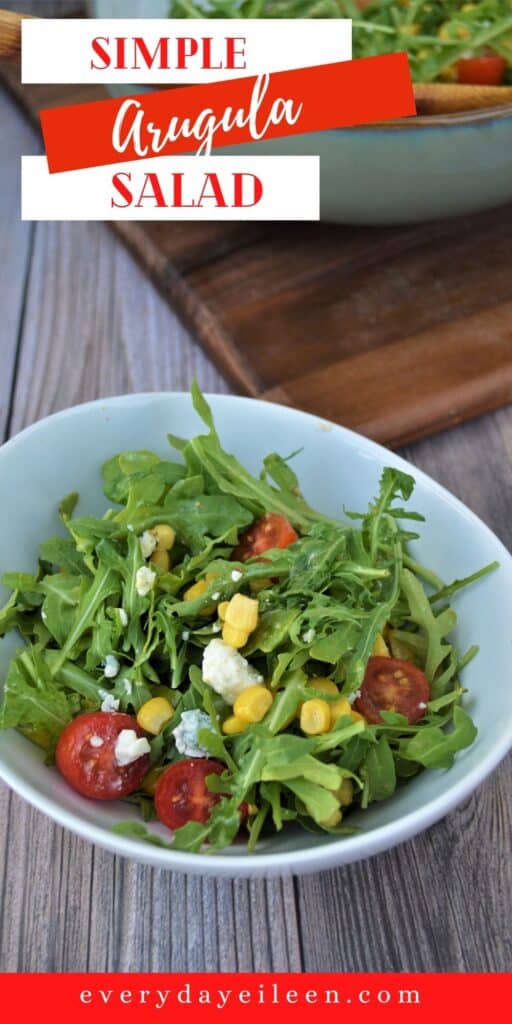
x=344, y=851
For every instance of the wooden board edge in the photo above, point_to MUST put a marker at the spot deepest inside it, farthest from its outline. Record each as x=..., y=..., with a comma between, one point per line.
x=494, y=398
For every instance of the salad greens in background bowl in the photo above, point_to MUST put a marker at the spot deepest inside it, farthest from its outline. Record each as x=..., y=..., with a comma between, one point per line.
x=281, y=662
x=405, y=171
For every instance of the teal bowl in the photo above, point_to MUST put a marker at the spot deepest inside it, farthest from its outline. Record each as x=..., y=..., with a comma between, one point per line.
x=400, y=172
x=408, y=171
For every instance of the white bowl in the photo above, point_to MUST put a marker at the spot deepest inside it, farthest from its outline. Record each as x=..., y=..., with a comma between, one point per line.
x=336, y=468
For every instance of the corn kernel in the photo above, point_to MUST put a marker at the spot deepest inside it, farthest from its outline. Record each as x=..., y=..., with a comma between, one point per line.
x=380, y=647
x=253, y=704
x=154, y=714
x=197, y=590
x=324, y=685
x=234, y=725
x=222, y=609
x=333, y=819
x=345, y=792
x=150, y=782
x=242, y=613
x=165, y=536
x=234, y=637
x=357, y=717
x=344, y=707
x=160, y=558
x=315, y=717
x=338, y=708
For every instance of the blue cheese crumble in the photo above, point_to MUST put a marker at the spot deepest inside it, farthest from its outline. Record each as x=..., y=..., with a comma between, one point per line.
x=187, y=732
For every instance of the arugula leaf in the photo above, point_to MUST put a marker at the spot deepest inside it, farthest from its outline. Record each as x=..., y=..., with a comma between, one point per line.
x=121, y=472
x=206, y=515
x=61, y=598
x=23, y=581
x=103, y=585
x=61, y=552
x=9, y=614
x=135, y=830
x=307, y=767
x=31, y=697
x=378, y=773
x=446, y=593
x=320, y=804
x=271, y=793
x=190, y=837
x=225, y=474
x=434, y=748
x=272, y=630
x=68, y=505
x=436, y=627
x=224, y=824
x=393, y=484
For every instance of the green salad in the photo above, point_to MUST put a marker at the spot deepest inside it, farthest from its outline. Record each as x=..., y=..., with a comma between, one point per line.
x=228, y=659
x=445, y=39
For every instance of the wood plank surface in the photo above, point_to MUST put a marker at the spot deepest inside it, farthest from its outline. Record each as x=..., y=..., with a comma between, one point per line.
x=344, y=308
x=93, y=325
x=15, y=248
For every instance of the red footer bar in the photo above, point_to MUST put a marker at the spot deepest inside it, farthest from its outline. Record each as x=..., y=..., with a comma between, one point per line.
x=252, y=997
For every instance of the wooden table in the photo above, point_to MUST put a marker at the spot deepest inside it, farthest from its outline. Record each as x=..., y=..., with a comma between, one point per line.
x=78, y=320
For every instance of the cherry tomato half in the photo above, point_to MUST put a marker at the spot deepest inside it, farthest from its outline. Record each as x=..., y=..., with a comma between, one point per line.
x=393, y=685
x=86, y=757
x=488, y=70
x=182, y=795
x=271, y=531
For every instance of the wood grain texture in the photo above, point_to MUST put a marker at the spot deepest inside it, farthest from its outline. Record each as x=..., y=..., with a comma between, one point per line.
x=10, y=34
x=475, y=361
x=15, y=248
x=93, y=325
x=344, y=309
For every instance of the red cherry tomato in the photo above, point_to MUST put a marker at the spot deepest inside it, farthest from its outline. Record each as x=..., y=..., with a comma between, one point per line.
x=271, y=531
x=488, y=70
x=86, y=757
x=182, y=795
x=393, y=685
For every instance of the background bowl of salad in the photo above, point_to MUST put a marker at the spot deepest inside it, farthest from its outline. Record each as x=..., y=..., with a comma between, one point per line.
x=65, y=668
x=410, y=170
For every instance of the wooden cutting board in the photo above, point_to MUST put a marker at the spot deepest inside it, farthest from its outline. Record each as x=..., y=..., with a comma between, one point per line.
x=395, y=332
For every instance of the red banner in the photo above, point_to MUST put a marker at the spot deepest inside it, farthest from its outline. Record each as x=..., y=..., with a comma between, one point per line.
x=51, y=998
x=331, y=96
